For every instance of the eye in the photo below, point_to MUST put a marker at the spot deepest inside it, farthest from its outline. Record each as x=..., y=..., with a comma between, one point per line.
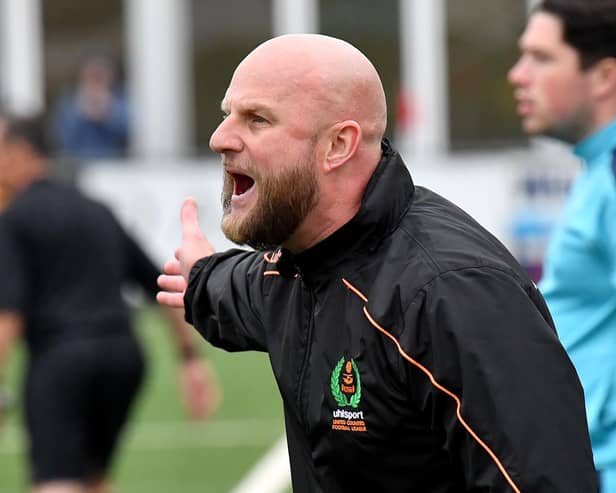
x=258, y=120
x=541, y=57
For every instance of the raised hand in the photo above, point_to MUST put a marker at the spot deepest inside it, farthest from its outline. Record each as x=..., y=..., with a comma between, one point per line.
x=194, y=247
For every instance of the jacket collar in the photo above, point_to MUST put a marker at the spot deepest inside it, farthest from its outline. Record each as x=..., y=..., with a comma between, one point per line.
x=598, y=143
x=385, y=201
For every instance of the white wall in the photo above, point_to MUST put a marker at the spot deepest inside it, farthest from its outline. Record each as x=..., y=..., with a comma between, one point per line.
x=147, y=196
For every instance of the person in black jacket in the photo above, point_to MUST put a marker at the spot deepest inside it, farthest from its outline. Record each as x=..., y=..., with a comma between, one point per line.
x=64, y=259
x=412, y=352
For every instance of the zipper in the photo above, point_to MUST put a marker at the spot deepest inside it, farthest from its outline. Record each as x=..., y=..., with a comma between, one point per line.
x=300, y=386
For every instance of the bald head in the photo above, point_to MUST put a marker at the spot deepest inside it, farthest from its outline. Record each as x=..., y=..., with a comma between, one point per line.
x=337, y=81
x=301, y=137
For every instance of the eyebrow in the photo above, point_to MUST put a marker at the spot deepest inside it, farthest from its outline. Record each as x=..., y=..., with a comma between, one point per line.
x=248, y=107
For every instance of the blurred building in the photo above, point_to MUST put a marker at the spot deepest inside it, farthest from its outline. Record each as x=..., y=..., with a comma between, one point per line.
x=443, y=65
x=443, y=62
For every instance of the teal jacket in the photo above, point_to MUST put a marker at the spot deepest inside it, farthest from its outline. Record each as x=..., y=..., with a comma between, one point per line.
x=579, y=285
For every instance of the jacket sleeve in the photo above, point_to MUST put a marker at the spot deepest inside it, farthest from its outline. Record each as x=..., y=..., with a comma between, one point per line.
x=499, y=385
x=140, y=269
x=223, y=298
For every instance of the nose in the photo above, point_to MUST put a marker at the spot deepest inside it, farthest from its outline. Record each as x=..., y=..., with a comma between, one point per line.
x=225, y=138
x=518, y=74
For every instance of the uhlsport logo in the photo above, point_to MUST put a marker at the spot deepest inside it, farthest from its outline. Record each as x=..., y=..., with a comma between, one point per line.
x=345, y=386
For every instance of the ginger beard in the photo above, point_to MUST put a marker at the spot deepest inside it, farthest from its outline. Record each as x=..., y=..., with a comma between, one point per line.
x=284, y=199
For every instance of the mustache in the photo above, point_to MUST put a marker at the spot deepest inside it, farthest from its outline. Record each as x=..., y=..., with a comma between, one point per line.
x=231, y=167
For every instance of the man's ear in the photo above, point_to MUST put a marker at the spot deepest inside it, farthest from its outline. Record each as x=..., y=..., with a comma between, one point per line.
x=344, y=140
x=22, y=150
x=604, y=78
x=19, y=158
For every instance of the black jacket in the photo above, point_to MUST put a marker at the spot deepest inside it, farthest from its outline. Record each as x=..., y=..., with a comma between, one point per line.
x=412, y=352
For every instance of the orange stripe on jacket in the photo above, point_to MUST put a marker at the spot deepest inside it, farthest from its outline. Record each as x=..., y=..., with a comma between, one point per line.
x=435, y=384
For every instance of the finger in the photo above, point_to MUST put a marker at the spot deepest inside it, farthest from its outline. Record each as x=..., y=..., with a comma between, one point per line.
x=174, y=300
x=172, y=268
x=173, y=284
x=189, y=217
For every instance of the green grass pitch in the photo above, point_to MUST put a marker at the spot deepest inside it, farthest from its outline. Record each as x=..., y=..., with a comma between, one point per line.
x=161, y=450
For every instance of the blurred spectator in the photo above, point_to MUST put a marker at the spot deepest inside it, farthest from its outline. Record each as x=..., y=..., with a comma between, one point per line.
x=93, y=120
x=64, y=260
x=565, y=87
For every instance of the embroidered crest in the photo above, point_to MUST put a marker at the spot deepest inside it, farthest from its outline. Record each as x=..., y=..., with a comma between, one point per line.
x=345, y=387
x=347, y=392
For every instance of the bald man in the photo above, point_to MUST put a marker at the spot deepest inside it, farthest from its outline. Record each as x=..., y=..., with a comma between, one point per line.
x=412, y=352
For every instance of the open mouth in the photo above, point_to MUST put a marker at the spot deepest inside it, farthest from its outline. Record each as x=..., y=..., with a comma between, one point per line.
x=523, y=107
x=241, y=183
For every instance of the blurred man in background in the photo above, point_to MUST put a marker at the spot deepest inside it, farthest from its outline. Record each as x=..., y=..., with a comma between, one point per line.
x=565, y=87
x=92, y=122
x=64, y=260
x=412, y=352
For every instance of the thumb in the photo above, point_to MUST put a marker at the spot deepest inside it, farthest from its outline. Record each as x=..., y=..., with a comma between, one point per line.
x=189, y=217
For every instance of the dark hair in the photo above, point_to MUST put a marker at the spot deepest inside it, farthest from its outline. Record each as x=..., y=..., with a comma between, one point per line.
x=589, y=26
x=31, y=129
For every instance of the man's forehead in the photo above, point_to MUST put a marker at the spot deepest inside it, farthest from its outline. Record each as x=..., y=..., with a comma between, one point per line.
x=260, y=91
x=543, y=29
